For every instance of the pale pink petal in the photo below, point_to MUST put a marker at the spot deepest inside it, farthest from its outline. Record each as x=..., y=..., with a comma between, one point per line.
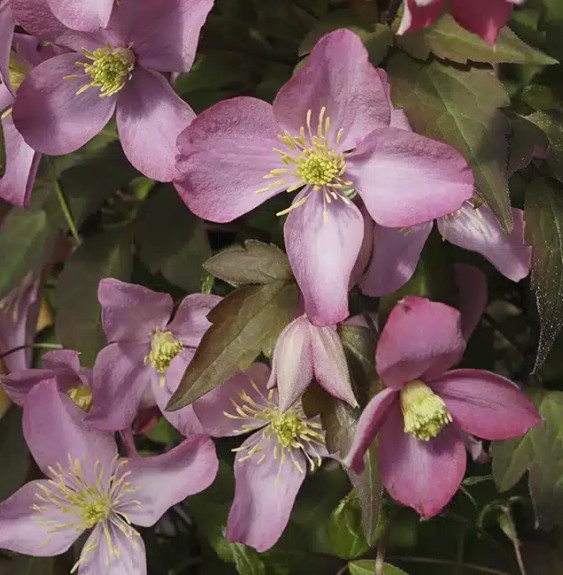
x=132, y=312
x=292, y=366
x=369, y=424
x=82, y=14
x=407, y=179
x=131, y=559
x=394, y=258
x=190, y=319
x=225, y=154
x=36, y=18
x=418, y=15
x=421, y=339
x=323, y=242
x=162, y=481
x=485, y=404
x=62, y=359
x=483, y=17
x=6, y=34
x=339, y=77
x=479, y=231
x=164, y=34
x=212, y=408
x=51, y=116
x=400, y=120
x=471, y=296
x=24, y=530
x=54, y=429
x=120, y=380
x=265, y=490
x=19, y=383
x=150, y=116
x=329, y=364
x=421, y=474
x=364, y=257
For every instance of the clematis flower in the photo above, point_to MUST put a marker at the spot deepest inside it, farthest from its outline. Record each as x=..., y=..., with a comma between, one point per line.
x=62, y=366
x=84, y=15
x=304, y=351
x=67, y=100
x=148, y=351
x=328, y=134
x=89, y=488
x=271, y=464
x=482, y=17
x=425, y=405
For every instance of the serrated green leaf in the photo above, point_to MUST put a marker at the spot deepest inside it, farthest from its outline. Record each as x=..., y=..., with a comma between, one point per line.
x=525, y=141
x=551, y=125
x=244, y=323
x=540, y=452
x=345, y=529
x=78, y=321
x=367, y=567
x=543, y=212
x=253, y=263
x=447, y=39
x=460, y=107
x=247, y=560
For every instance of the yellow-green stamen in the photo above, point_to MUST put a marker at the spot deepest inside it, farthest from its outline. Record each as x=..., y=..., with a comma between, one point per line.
x=425, y=413
x=82, y=396
x=164, y=348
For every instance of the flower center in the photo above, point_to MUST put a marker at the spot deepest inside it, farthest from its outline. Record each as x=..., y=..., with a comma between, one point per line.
x=82, y=396
x=109, y=70
x=313, y=158
x=425, y=413
x=18, y=70
x=164, y=348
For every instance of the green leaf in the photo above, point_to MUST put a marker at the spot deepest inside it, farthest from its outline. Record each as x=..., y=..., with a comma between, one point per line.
x=540, y=452
x=253, y=263
x=447, y=39
x=525, y=141
x=171, y=239
x=345, y=529
x=14, y=452
x=246, y=322
x=247, y=560
x=78, y=321
x=552, y=126
x=460, y=107
x=543, y=213
x=367, y=567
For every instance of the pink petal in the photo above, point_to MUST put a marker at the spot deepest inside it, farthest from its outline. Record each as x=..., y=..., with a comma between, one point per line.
x=369, y=424
x=471, y=297
x=478, y=230
x=36, y=18
x=51, y=116
x=19, y=383
x=400, y=120
x=150, y=116
x=130, y=561
x=421, y=474
x=190, y=319
x=323, y=242
x=292, y=366
x=22, y=532
x=164, y=34
x=329, y=364
x=212, y=407
x=131, y=311
x=82, y=14
x=62, y=359
x=418, y=15
x=364, y=257
x=406, y=179
x=483, y=17
x=120, y=380
x=162, y=481
x=225, y=153
x=394, y=258
x=265, y=490
x=485, y=404
x=337, y=75
x=420, y=340
x=54, y=429
x=6, y=34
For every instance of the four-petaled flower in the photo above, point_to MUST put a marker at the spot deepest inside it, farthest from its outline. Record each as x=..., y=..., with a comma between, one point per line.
x=418, y=415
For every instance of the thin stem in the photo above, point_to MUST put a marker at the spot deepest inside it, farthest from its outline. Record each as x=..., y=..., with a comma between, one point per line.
x=32, y=346
x=342, y=570
x=514, y=539
x=66, y=212
x=380, y=559
x=460, y=549
x=432, y=561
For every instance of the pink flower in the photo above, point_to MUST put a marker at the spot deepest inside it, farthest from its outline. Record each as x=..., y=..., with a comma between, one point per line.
x=147, y=354
x=90, y=489
x=327, y=133
x=271, y=464
x=483, y=17
x=303, y=352
x=67, y=100
x=424, y=406
x=86, y=15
